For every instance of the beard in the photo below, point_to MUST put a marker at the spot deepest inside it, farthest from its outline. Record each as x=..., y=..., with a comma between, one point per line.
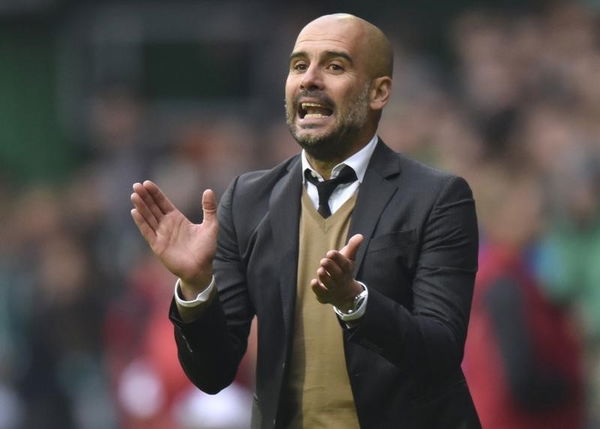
x=348, y=124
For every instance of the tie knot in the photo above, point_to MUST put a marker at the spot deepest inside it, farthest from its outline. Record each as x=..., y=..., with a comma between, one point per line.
x=326, y=187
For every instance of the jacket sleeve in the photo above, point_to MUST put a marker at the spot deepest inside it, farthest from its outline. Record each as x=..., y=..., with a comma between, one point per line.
x=428, y=334
x=210, y=348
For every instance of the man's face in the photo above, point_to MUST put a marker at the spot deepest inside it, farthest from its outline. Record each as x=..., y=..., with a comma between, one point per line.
x=327, y=89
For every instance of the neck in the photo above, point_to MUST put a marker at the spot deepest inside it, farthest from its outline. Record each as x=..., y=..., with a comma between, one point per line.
x=324, y=164
x=323, y=167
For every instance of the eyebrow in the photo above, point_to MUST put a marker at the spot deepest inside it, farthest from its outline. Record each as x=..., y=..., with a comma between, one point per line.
x=328, y=55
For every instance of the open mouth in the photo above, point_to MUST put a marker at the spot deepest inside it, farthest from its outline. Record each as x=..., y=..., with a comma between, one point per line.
x=314, y=110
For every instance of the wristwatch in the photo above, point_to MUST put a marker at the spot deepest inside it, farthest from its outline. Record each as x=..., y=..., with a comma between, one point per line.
x=358, y=300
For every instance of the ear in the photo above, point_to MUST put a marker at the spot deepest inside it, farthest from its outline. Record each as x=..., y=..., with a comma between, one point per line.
x=380, y=91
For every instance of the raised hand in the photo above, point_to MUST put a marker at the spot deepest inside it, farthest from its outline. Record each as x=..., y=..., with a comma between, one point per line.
x=335, y=283
x=186, y=249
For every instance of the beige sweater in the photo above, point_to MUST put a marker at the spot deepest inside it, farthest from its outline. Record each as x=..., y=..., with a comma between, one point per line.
x=318, y=383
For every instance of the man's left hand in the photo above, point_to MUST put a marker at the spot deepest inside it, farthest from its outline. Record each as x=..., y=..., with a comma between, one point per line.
x=335, y=283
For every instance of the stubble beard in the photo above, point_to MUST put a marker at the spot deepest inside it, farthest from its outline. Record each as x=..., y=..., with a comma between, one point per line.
x=335, y=143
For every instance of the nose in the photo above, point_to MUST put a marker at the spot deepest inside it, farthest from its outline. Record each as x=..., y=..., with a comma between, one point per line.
x=311, y=78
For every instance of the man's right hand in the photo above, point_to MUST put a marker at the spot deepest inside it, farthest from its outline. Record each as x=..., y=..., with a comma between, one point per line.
x=186, y=249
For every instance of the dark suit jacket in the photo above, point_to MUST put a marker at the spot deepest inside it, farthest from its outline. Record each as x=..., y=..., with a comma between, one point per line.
x=418, y=260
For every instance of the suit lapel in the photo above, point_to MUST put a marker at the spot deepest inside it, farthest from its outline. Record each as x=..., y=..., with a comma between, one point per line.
x=374, y=193
x=284, y=209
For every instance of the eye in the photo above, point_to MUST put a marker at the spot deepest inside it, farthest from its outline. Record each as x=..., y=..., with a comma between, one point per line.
x=299, y=66
x=335, y=67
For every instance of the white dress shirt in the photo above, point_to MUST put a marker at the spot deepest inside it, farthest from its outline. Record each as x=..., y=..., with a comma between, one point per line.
x=359, y=162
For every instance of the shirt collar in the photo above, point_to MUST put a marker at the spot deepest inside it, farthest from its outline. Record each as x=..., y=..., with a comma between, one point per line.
x=358, y=162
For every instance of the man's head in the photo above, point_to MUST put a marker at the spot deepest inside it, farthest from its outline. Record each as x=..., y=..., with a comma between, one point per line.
x=338, y=83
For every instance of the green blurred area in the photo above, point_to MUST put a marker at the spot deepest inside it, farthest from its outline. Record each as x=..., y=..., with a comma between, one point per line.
x=187, y=70
x=32, y=147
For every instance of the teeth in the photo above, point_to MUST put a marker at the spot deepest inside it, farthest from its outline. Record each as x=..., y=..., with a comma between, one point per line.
x=315, y=110
x=307, y=105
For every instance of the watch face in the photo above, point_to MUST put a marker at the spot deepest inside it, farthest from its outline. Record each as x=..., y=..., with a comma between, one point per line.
x=359, y=299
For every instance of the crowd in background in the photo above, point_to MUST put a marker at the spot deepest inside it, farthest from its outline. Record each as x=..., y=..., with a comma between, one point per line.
x=85, y=341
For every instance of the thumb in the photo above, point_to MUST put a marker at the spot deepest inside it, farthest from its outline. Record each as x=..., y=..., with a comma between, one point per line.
x=349, y=250
x=209, y=207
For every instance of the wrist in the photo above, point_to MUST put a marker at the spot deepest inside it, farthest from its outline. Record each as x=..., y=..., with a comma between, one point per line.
x=358, y=308
x=350, y=303
x=191, y=288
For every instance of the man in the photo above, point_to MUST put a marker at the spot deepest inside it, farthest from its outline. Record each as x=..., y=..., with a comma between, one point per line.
x=388, y=353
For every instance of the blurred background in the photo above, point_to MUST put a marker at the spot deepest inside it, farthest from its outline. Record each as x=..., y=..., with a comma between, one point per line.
x=97, y=95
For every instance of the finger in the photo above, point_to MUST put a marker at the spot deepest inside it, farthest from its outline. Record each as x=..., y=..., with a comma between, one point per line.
x=325, y=279
x=319, y=291
x=334, y=270
x=209, y=207
x=345, y=264
x=143, y=210
x=151, y=205
x=147, y=232
x=161, y=199
x=349, y=250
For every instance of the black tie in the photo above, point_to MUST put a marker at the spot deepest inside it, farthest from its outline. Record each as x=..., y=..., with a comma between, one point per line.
x=326, y=187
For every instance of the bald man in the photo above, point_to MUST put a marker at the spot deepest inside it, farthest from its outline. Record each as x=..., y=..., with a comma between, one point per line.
x=366, y=331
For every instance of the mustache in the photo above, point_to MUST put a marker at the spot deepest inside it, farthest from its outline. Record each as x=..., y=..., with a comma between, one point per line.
x=317, y=95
